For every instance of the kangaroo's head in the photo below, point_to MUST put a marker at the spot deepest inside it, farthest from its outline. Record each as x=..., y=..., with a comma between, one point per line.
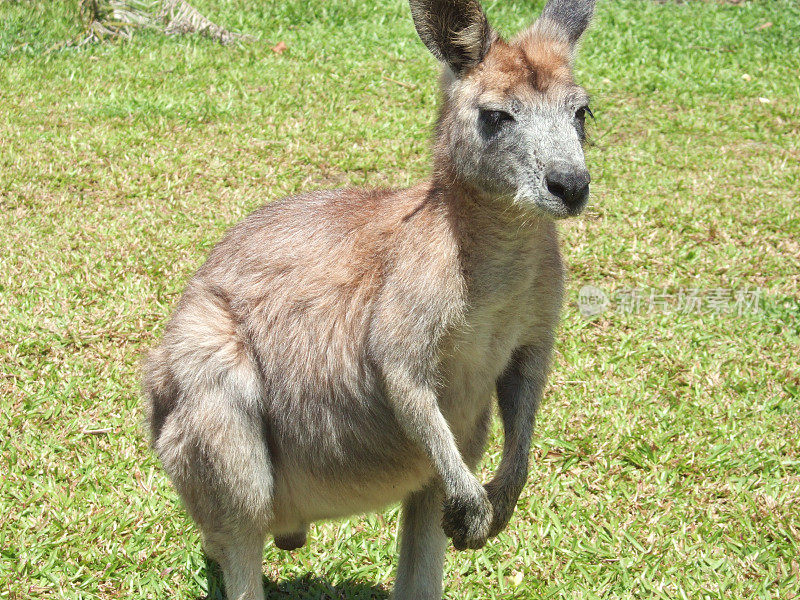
x=512, y=121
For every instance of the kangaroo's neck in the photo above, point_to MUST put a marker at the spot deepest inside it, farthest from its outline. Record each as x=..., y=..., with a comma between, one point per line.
x=496, y=240
x=481, y=221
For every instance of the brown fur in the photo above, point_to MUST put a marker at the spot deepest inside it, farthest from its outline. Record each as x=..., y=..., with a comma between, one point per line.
x=531, y=64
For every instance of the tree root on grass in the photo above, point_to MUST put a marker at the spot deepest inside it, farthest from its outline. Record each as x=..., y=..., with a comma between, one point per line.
x=110, y=19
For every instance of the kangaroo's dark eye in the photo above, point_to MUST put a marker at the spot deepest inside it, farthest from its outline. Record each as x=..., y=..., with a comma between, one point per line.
x=581, y=113
x=493, y=119
x=580, y=121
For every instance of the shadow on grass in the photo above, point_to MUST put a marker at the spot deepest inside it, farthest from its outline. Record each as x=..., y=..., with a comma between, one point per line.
x=303, y=588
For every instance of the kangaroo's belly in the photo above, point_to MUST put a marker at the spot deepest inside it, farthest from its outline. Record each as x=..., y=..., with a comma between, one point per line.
x=347, y=454
x=362, y=473
x=337, y=456
x=353, y=457
x=301, y=497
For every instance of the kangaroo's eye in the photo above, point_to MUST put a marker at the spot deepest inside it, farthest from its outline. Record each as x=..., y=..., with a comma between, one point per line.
x=580, y=121
x=493, y=119
x=581, y=113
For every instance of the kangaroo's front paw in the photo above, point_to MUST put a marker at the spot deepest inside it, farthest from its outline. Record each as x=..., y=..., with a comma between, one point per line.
x=504, y=501
x=467, y=518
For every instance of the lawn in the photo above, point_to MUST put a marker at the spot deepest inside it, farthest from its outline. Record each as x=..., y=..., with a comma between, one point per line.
x=666, y=462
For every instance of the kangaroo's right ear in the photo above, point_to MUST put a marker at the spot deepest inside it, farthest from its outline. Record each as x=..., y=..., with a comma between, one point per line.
x=455, y=31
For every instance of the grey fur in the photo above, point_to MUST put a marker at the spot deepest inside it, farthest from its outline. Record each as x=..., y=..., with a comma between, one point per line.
x=542, y=137
x=339, y=350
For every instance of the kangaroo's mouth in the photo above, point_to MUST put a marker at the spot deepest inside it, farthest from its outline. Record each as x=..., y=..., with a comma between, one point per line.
x=561, y=209
x=547, y=204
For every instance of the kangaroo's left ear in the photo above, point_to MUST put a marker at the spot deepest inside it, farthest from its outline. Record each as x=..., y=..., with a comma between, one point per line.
x=565, y=19
x=455, y=31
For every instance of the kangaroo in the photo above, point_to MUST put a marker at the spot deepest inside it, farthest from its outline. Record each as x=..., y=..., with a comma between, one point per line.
x=340, y=350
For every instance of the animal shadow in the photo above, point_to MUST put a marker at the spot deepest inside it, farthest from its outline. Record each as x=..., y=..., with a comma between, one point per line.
x=307, y=587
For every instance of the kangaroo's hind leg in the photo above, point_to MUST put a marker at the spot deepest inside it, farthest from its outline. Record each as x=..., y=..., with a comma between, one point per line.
x=213, y=447
x=239, y=552
x=422, y=539
x=422, y=547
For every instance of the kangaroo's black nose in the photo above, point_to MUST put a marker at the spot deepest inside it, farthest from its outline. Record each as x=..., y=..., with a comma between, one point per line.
x=569, y=185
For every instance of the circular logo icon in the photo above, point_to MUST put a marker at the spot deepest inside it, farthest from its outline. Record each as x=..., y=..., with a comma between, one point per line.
x=592, y=301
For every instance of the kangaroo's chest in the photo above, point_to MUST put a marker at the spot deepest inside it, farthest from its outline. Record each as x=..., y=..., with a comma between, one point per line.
x=510, y=304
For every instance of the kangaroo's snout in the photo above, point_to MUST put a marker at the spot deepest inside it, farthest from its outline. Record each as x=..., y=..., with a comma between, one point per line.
x=570, y=185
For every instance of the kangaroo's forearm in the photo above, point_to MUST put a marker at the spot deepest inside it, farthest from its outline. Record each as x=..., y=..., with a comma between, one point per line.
x=518, y=397
x=519, y=392
x=417, y=411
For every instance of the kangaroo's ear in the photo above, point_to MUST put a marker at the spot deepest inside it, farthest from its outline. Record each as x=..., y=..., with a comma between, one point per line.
x=565, y=19
x=455, y=31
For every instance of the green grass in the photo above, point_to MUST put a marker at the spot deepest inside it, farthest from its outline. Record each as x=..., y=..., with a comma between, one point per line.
x=666, y=462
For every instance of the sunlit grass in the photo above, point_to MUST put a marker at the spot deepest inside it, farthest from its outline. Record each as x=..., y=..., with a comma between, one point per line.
x=666, y=460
